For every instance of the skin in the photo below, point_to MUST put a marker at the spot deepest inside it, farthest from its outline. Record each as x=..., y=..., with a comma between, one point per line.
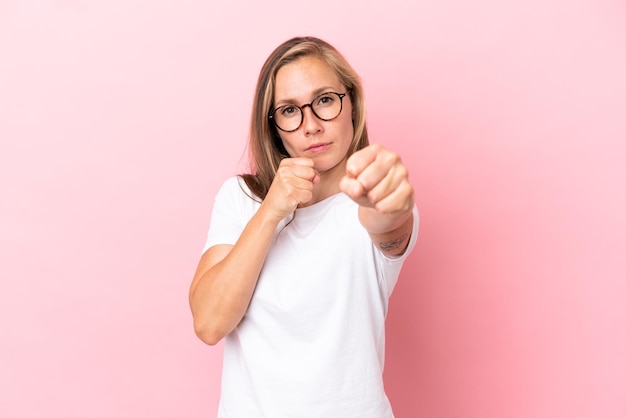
x=318, y=167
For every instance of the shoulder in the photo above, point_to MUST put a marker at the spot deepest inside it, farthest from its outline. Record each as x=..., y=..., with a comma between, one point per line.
x=236, y=187
x=234, y=199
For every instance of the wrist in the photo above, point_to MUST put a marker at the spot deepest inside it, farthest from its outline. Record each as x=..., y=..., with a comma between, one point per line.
x=376, y=222
x=269, y=217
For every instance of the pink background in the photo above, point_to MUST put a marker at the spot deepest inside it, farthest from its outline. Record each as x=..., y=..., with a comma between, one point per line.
x=120, y=119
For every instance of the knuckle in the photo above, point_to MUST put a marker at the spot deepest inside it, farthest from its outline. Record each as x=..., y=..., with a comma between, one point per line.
x=284, y=181
x=405, y=191
x=282, y=170
x=383, y=208
x=390, y=158
x=377, y=148
x=403, y=171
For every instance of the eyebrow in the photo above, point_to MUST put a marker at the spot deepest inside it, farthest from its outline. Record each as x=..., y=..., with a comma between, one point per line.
x=314, y=94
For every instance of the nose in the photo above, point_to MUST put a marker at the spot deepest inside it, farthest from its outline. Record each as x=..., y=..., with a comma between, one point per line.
x=310, y=123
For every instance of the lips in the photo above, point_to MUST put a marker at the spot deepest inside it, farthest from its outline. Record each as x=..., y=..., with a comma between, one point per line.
x=319, y=147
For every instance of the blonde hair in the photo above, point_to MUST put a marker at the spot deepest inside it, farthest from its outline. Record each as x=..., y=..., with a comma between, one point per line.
x=265, y=147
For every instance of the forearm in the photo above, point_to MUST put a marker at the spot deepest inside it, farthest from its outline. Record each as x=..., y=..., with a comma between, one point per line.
x=221, y=293
x=390, y=233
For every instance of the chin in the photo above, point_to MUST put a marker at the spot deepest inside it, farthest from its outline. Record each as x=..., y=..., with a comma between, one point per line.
x=326, y=166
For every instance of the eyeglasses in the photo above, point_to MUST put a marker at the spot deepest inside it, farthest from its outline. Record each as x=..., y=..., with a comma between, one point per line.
x=326, y=106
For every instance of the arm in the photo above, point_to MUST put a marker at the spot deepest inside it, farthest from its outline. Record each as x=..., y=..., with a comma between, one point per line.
x=226, y=276
x=378, y=181
x=394, y=241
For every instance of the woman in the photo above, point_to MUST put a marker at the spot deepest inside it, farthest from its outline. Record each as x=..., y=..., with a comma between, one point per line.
x=303, y=253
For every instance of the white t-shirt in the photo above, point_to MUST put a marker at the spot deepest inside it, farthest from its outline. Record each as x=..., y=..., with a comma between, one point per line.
x=312, y=341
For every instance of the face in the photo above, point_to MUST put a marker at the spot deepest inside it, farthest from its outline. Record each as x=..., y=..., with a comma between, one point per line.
x=325, y=142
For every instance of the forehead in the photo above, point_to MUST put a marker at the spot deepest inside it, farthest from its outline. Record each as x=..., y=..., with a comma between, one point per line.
x=301, y=79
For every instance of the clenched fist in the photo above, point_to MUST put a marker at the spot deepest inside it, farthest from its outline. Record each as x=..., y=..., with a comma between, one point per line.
x=292, y=186
x=375, y=177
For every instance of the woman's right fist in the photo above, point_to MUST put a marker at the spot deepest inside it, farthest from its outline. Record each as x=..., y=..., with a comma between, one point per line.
x=292, y=186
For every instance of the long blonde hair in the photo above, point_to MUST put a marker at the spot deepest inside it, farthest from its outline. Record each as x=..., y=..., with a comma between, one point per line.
x=265, y=147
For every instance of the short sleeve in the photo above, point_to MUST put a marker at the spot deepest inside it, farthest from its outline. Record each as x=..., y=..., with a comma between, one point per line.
x=232, y=209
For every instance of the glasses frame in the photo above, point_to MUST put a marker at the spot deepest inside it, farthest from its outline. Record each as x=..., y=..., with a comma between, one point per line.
x=310, y=105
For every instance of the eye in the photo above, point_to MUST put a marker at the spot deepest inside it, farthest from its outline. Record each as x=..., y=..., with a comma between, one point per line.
x=325, y=100
x=288, y=111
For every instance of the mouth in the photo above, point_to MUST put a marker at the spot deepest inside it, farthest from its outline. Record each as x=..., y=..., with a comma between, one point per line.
x=319, y=147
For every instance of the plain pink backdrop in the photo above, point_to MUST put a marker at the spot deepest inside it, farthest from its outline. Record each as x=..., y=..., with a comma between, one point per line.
x=120, y=119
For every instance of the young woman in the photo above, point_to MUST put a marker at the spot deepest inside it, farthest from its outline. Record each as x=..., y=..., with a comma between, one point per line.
x=303, y=252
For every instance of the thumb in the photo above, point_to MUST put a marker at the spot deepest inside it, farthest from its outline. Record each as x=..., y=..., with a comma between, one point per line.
x=316, y=178
x=351, y=187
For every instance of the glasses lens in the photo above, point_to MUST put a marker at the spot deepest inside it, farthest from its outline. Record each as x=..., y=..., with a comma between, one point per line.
x=327, y=106
x=288, y=118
